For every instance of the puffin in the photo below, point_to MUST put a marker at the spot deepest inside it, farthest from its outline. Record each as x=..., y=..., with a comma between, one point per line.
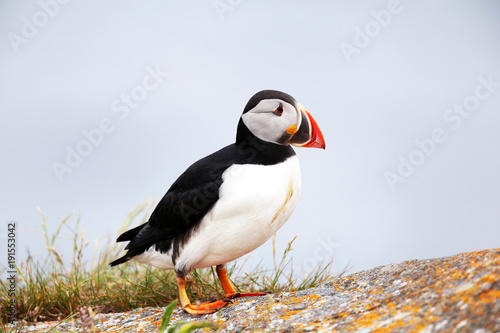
x=230, y=202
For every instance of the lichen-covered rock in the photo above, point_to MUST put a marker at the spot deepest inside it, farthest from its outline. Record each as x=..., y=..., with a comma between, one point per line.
x=453, y=294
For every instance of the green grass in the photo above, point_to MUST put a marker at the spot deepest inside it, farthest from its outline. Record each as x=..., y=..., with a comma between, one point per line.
x=52, y=290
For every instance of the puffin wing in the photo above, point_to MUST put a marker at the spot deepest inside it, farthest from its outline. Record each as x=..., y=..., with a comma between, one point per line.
x=182, y=208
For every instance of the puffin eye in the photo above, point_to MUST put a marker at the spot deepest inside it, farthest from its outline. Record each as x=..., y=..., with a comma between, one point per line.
x=279, y=110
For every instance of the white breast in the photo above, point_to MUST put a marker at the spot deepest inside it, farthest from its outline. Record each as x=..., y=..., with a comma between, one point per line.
x=254, y=202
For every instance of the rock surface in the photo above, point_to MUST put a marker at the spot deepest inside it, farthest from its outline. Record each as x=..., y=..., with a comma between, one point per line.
x=459, y=293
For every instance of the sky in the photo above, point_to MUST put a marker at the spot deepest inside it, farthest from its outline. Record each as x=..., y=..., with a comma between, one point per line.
x=104, y=105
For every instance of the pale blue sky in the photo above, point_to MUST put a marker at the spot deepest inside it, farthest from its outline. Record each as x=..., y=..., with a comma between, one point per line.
x=378, y=76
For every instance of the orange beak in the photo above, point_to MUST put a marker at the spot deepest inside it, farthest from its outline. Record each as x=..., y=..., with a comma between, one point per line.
x=308, y=133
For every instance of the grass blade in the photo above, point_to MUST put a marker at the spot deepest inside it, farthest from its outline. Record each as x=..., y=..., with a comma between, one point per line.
x=165, y=320
x=197, y=324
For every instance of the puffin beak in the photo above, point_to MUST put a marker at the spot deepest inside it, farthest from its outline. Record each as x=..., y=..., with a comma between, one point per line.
x=308, y=133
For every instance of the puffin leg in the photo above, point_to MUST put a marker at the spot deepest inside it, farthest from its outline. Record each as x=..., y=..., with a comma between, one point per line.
x=228, y=286
x=204, y=308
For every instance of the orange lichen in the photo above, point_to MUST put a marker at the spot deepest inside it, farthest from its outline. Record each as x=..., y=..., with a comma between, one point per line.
x=301, y=299
x=288, y=314
x=490, y=296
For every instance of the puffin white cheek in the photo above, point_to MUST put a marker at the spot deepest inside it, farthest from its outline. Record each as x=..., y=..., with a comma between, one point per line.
x=276, y=127
x=262, y=126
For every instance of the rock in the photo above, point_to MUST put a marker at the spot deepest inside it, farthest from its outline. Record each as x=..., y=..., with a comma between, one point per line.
x=459, y=293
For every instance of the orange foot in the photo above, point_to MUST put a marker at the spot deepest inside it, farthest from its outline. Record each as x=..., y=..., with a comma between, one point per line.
x=205, y=308
x=228, y=287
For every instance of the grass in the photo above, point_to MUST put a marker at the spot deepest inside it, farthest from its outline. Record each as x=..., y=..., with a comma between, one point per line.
x=53, y=290
x=183, y=326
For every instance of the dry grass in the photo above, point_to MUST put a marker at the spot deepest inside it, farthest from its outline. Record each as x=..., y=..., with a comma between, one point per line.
x=53, y=290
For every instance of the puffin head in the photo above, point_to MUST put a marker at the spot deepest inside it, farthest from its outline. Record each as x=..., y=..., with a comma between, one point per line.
x=276, y=117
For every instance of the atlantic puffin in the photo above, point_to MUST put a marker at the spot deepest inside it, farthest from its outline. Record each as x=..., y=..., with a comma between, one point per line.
x=230, y=202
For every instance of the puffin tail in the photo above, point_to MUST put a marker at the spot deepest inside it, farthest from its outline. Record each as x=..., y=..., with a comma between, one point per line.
x=118, y=261
x=128, y=235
